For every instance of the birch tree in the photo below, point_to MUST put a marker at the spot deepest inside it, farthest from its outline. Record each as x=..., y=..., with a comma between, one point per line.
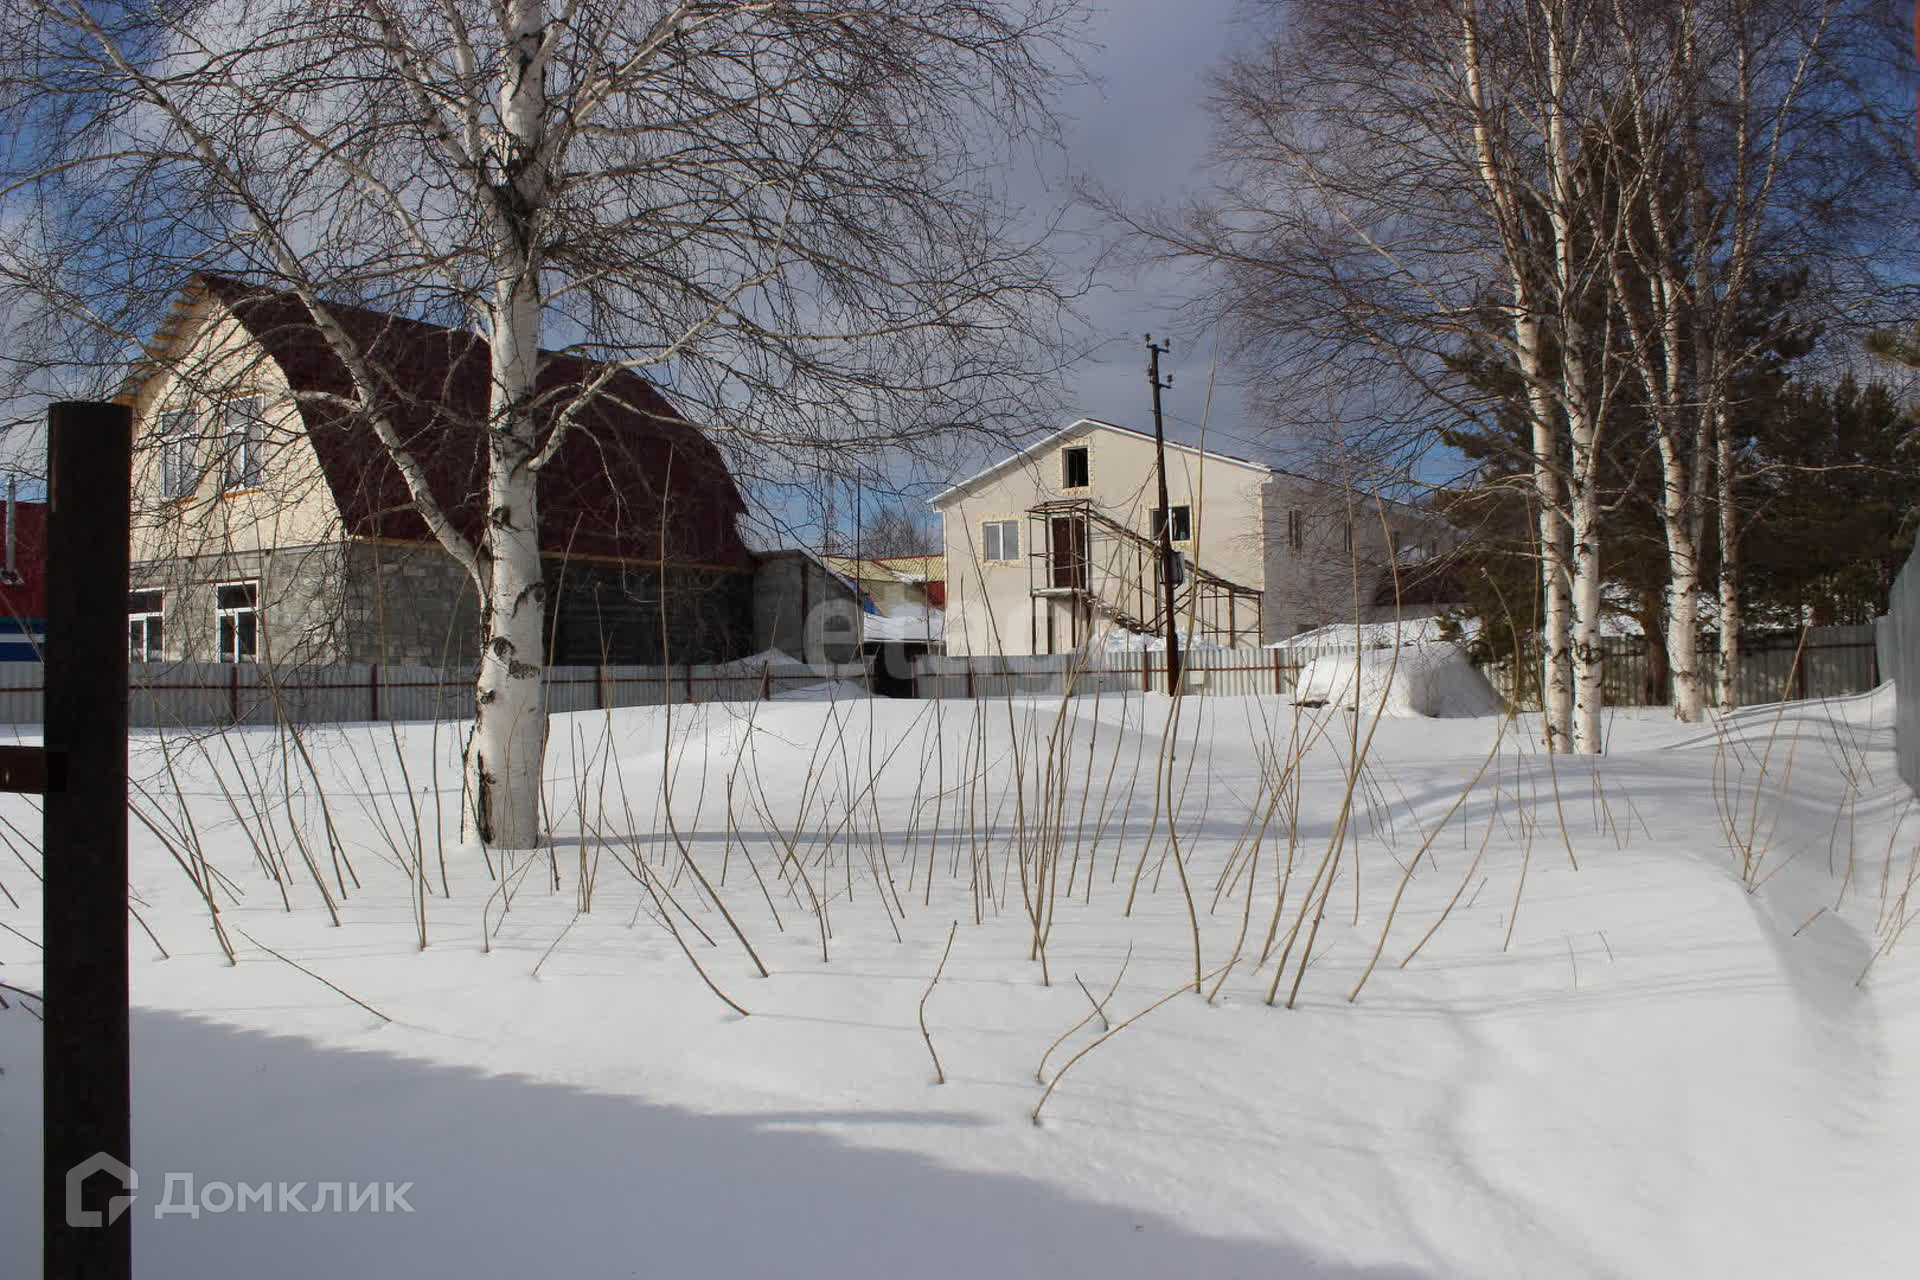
x=1724, y=134
x=1396, y=181
x=788, y=210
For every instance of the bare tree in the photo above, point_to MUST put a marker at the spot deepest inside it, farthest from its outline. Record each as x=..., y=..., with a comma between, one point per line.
x=895, y=529
x=1592, y=191
x=787, y=211
x=1726, y=141
x=1396, y=181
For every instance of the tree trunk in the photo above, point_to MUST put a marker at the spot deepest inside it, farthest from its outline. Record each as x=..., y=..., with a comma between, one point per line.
x=508, y=746
x=1729, y=527
x=1556, y=628
x=1677, y=502
x=1683, y=625
x=510, y=722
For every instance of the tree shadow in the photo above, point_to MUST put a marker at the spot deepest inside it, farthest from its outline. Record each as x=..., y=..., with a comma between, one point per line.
x=513, y=1177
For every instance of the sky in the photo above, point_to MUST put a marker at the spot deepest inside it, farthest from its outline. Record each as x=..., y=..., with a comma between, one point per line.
x=1138, y=127
x=1141, y=129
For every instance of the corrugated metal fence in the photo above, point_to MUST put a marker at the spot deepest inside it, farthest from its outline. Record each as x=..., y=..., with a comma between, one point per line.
x=1775, y=666
x=1898, y=637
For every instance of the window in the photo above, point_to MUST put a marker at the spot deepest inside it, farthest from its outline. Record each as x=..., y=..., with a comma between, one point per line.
x=1297, y=531
x=1000, y=540
x=1182, y=528
x=237, y=622
x=177, y=477
x=1074, y=470
x=242, y=444
x=143, y=626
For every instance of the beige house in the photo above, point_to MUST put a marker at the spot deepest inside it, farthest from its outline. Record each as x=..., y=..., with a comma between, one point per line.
x=271, y=525
x=1056, y=546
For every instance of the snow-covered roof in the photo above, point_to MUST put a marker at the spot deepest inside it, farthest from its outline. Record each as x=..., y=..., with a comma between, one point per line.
x=909, y=624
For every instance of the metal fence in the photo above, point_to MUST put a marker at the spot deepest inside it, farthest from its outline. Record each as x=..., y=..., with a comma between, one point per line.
x=1898, y=638
x=1775, y=666
x=1833, y=660
x=169, y=694
x=1225, y=671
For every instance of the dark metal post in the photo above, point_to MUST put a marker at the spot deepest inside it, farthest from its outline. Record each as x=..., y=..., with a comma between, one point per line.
x=87, y=1100
x=1166, y=520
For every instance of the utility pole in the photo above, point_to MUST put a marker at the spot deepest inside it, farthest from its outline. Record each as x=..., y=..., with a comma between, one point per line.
x=1154, y=352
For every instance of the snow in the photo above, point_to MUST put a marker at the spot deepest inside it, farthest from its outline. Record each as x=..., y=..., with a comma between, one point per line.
x=912, y=623
x=1376, y=635
x=1411, y=631
x=823, y=691
x=1662, y=1064
x=1121, y=640
x=754, y=664
x=1417, y=680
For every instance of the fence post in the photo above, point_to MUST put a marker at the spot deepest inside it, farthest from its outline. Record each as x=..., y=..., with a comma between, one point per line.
x=373, y=690
x=86, y=1120
x=233, y=693
x=766, y=681
x=690, y=697
x=969, y=670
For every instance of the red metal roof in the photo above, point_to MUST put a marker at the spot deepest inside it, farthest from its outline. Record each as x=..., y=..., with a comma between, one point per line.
x=634, y=480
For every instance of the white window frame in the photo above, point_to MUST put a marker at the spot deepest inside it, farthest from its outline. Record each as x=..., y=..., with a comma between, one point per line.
x=1000, y=541
x=1175, y=509
x=222, y=652
x=152, y=625
x=179, y=476
x=243, y=441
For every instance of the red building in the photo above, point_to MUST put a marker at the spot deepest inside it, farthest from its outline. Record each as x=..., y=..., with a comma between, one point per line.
x=23, y=593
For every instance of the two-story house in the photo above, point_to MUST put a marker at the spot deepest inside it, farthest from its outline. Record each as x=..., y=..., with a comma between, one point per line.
x=271, y=524
x=1056, y=546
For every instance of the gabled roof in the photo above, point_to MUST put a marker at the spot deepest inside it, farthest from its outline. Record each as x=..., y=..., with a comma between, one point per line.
x=634, y=480
x=1077, y=427
x=907, y=569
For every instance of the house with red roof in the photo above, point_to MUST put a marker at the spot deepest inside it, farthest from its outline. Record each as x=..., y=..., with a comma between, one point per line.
x=270, y=523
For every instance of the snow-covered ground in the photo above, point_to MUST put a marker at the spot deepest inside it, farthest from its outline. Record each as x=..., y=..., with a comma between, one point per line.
x=1661, y=1063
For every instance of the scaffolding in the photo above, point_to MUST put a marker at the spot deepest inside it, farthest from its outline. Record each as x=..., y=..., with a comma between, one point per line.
x=1108, y=574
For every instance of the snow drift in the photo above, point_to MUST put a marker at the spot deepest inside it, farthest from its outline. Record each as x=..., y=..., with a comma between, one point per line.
x=1416, y=680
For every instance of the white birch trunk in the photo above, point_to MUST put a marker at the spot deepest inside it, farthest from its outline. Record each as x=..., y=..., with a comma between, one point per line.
x=510, y=720
x=1580, y=399
x=505, y=753
x=1556, y=622
x=1683, y=610
x=1587, y=666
